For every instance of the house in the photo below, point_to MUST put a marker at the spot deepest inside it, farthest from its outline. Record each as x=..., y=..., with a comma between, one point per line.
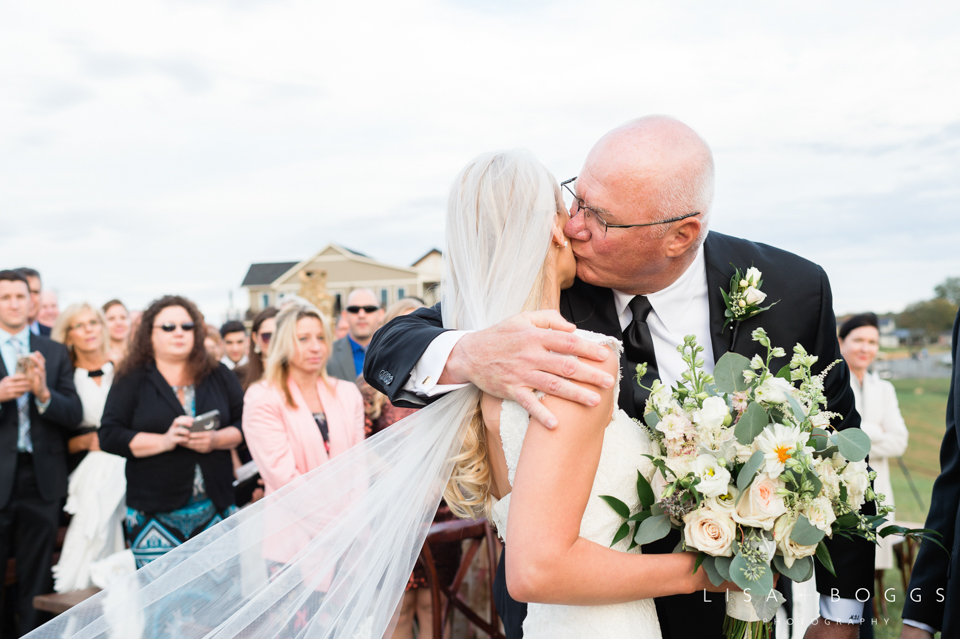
x=338, y=270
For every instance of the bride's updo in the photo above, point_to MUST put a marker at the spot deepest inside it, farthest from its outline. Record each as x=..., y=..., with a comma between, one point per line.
x=500, y=218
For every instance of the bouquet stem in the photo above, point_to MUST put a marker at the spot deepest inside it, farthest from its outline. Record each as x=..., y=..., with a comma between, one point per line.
x=739, y=629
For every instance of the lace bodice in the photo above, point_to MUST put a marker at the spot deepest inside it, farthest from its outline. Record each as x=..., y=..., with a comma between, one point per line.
x=624, y=444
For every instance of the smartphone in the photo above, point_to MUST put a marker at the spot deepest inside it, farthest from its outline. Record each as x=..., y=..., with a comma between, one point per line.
x=23, y=364
x=206, y=422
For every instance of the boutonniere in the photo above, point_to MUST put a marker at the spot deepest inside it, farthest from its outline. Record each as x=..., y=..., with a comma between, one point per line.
x=744, y=298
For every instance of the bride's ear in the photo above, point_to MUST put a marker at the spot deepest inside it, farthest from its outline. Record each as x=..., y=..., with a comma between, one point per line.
x=559, y=239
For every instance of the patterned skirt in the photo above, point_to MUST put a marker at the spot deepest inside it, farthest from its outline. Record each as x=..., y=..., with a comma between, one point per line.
x=153, y=534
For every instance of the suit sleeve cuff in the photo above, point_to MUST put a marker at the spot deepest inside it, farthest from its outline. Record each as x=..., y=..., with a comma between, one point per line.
x=841, y=610
x=429, y=368
x=920, y=625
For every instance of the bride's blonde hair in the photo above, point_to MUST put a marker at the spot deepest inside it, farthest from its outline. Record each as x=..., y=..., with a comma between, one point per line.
x=496, y=186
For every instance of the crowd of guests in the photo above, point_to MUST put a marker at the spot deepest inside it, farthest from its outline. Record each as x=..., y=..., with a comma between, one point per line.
x=131, y=426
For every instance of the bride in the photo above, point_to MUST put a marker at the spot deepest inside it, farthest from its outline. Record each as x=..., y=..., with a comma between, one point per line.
x=353, y=527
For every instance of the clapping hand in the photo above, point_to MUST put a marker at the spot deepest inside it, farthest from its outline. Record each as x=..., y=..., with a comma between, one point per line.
x=13, y=386
x=37, y=376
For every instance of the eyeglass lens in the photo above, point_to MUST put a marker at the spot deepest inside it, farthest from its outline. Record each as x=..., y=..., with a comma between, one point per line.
x=81, y=325
x=590, y=219
x=366, y=309
x=169, y=328
x=265, y=337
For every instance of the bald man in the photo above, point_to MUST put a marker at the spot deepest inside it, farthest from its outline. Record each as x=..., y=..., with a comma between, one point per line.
x=364, y=316
x=647, y=271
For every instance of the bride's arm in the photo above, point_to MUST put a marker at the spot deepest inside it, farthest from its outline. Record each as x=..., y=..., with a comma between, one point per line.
x=548, y=561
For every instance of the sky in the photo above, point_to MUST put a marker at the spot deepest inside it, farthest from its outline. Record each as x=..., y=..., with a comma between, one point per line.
x=161, y=147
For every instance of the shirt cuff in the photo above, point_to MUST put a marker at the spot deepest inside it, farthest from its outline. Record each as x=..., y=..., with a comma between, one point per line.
x=42, y=407
x=920, y=625
x=841, y=610
x=429, y=368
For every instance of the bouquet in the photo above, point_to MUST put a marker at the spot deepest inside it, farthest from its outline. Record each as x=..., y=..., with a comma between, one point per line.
x=753, y=475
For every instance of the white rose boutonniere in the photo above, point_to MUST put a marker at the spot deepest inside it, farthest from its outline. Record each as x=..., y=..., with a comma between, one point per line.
x=744, y=298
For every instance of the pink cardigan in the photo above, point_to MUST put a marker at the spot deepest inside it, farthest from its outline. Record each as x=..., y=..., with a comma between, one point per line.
x=286, y=442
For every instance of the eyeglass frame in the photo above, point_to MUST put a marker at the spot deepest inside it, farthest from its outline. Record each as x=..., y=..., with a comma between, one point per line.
x=583, y=207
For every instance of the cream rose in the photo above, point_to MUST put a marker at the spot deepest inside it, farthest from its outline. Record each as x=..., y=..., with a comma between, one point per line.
x=774, y=390
x=753, y=276
x=761, y=505
x=790, y=549
x=710, y=532
x=857, y=481
x=820, y=513
x=712, y=414
x=754, y=295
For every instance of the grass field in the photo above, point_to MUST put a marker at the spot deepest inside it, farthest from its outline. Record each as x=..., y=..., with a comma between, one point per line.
x=923, y=403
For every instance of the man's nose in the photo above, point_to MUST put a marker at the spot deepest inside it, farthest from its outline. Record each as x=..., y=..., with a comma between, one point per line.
x=576, y=228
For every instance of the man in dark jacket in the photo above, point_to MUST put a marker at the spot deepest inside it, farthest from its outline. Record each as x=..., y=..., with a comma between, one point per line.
x=38, y=406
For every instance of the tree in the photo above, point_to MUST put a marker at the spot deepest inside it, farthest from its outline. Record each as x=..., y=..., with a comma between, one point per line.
x=932, y=317
x=949, y=290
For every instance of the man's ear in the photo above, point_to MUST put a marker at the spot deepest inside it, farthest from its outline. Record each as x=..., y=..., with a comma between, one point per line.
x=683, y=236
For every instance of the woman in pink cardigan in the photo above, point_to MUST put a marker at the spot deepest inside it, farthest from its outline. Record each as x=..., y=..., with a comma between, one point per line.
x=298, y=417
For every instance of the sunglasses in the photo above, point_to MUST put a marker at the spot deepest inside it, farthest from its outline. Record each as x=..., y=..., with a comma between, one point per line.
x=265, y=337
x=169, y=328
x=366, y=309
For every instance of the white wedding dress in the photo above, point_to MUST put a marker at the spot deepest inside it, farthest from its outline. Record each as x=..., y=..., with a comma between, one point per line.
x=624, y=444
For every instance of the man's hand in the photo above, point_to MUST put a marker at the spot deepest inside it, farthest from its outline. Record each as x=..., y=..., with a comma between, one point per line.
x=37, y=376
x=825, y=629
x=912, y=632
x=13, y=386
x=526, y=353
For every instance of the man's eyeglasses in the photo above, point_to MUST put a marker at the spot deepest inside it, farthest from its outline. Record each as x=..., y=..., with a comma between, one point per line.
x=575, y=206
x=366, y=309
x=169, y=328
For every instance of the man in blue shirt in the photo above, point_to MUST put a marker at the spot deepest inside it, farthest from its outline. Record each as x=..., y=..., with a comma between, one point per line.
x=39, y=408
x=364, y=317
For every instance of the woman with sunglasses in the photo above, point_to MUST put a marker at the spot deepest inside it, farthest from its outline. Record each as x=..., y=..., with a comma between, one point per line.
x=264, y=325
x=97, y=486
x=179, y=481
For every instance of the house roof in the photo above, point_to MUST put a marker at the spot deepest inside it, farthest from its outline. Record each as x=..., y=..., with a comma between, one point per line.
x=426, y=255
x=264, y=274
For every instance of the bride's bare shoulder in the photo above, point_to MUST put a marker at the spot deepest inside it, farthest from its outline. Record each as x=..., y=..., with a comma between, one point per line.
x=490, y=409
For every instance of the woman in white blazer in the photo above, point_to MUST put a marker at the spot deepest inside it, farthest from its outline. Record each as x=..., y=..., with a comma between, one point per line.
x=879, y=411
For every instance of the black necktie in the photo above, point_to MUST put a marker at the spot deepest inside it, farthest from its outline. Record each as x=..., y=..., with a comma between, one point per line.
x=637, y=348
x=96, y=373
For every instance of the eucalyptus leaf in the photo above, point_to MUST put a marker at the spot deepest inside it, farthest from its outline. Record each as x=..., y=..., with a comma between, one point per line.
x=737, y=566
x=766, y=607
x=728, y=373
x=805, y=533
x=644, y=491
x=751, y=424
x=854, y=444
x=760, y=588
x=824, y=556
x=801, y=570
x=722, y=564
x=618, y=506
x=748, y=472
x=819, y=438
x=710, y=567
x=651, y=419
x=796, y=408
x=652, y=529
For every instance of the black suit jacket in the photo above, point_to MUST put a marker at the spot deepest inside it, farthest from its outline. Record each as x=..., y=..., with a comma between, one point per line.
x=143, y=401
x=803, y=314
x=934, y=581
x=48, y=431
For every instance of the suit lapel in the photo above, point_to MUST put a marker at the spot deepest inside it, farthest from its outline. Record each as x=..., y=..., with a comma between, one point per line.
x=719, y=273
x=166, y=391
x=591, y=308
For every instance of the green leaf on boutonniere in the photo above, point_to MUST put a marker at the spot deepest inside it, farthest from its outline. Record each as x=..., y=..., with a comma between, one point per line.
x=618, y=506
x=728, y=373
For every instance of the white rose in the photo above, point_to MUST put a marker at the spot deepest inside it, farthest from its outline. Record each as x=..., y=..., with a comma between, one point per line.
x=820, y=513
x=713, y=477
x=754, y=295
x=724, y=503
x=753, y=276
x=828, y=477
x=790, y=549
x=774, y=390
x=713, y=412
x=857, y=481
x=761, y=505
x=710, y=532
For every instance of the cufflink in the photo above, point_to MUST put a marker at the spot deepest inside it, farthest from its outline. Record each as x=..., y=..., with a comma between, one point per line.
x=385, y=377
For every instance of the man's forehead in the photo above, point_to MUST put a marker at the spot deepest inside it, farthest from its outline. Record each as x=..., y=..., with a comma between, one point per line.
x=361, y=297
x=13, y=286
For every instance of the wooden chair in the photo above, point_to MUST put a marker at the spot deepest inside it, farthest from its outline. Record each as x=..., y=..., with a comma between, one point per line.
x=477, y=531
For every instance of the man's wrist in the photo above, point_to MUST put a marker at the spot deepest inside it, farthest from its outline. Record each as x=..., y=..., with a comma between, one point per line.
x=455, y=371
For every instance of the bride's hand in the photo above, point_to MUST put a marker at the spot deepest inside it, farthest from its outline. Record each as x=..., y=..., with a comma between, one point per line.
x=526, y=353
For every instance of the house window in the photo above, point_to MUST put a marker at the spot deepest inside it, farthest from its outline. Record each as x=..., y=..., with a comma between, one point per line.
x=338, y=305
x=401, y=293
x=384, y=295
x=264, y=300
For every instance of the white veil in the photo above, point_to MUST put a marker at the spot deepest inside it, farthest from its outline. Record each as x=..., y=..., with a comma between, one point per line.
x=329, y=554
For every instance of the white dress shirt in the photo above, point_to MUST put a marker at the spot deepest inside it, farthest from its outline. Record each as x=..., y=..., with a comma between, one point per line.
x=93, y=396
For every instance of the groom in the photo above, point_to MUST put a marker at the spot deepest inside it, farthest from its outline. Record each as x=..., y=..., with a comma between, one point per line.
x=649, y=273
